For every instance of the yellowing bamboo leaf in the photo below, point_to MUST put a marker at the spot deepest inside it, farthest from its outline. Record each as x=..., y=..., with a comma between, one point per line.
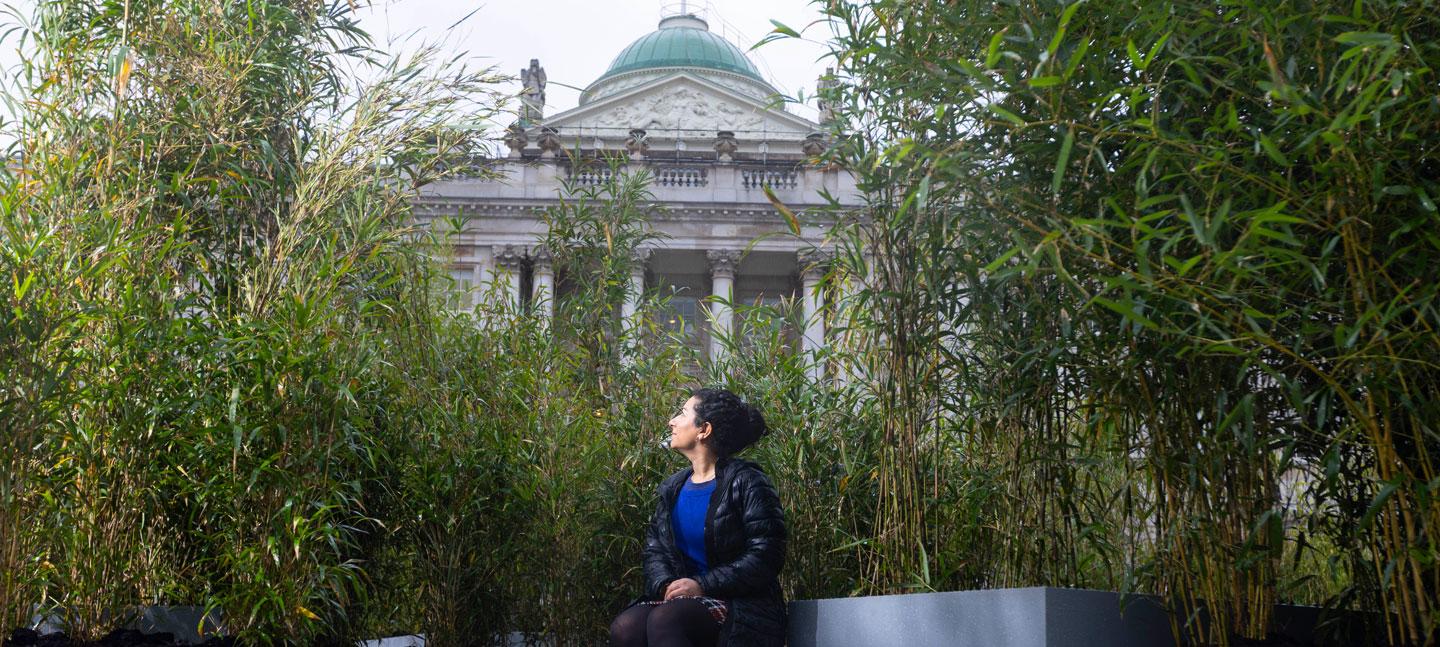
x=781, y=28
x=122, y=80
x=785, y=211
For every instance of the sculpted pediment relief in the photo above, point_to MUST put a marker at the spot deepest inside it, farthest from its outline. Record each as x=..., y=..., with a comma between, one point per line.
x=681, y=103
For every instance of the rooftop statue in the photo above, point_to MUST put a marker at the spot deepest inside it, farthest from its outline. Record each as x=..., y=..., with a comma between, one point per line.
x=533, y=96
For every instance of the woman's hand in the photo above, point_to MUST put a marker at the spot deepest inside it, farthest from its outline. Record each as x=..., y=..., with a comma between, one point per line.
x=683, y=586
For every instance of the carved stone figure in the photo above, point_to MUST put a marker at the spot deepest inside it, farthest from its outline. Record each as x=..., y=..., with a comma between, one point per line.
x=638, y=143
x=516, y=139
x=814, y=145
x=685, y=108
x=726, y=145
x=823, y=89
x=533, y=96
x=549, y=142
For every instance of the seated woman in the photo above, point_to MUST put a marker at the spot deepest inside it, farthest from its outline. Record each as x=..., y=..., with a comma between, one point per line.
x=716, y=543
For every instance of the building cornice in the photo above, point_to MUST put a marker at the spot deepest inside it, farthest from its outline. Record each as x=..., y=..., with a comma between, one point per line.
x=587, y=96
x=752, y=213
x=680, y=75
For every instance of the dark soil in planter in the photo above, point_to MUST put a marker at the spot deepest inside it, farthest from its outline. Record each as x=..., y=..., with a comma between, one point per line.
x=117, y=638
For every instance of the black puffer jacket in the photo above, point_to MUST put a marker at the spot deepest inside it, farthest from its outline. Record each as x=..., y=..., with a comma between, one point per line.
x=744, y=544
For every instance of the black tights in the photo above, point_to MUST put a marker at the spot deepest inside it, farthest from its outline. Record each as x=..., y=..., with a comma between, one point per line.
x=677, y=623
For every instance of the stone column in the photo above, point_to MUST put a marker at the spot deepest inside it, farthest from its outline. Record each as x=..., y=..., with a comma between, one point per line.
x=812, y=268
x=636, y=289
x=542, y=297
x=722, y=292
x=507, y=268
x=484, y=269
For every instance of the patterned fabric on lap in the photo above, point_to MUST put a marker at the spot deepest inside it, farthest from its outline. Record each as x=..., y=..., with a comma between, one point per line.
x=717, y=608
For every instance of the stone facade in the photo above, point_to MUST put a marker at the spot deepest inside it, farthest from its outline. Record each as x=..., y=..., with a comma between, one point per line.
x=713, y=147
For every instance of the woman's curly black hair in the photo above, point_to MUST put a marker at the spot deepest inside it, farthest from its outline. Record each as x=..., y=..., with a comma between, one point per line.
x=735, y=424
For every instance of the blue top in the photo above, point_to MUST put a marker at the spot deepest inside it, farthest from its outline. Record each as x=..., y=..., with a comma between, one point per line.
x=688, y=517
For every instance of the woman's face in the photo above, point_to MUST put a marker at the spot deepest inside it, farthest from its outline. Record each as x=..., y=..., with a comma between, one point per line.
x=684, y=433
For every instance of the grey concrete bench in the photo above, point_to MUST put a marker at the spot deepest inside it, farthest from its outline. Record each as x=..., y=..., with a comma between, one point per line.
x=1028, y=617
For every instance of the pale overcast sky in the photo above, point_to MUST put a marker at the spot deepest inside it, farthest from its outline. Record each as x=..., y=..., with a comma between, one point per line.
x=575, y=40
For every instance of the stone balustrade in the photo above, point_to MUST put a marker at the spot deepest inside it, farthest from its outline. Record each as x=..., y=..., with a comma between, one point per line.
x=680, y=176
x=673, y=181
x=758, y=178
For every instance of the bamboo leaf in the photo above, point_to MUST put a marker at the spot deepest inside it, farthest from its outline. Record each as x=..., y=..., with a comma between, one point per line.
x=1069, y=13
x=1001, y=260
x=1273, y=151
x=1378, y=502
x=790, y=218
x=1076, y=58
x=1367, y=39
x=992, y=52
x=1425, y=202
x=1062, y=161
x=1155, y=49
x=21, y=288
x=782, y=28
x=1006, y=114
x=1127, y=311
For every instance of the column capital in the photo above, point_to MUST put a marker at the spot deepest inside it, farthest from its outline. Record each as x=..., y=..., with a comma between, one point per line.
x=723, y=262
x=813, y=261
x=508, y=257
x=541, y=257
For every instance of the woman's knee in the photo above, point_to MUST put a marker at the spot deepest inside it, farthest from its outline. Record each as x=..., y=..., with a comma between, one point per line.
x=684, y=622
x=628, y=628
x=671, y=616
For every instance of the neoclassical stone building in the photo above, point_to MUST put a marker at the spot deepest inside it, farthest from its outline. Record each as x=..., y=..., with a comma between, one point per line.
x=694, y=109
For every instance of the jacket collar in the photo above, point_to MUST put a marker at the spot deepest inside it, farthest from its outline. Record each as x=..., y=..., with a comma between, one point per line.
x=725, y=469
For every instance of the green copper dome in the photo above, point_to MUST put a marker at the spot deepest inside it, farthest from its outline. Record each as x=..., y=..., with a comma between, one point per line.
x=682, y=41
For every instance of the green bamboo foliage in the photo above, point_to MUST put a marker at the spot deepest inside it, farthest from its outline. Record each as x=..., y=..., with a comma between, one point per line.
x=1178, y=253
x=1137, y=303
x=820, y=451
x=209, y=231
x=561, y=457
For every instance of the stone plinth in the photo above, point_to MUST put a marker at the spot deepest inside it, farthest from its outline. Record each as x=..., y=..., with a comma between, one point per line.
x=1029, y=617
